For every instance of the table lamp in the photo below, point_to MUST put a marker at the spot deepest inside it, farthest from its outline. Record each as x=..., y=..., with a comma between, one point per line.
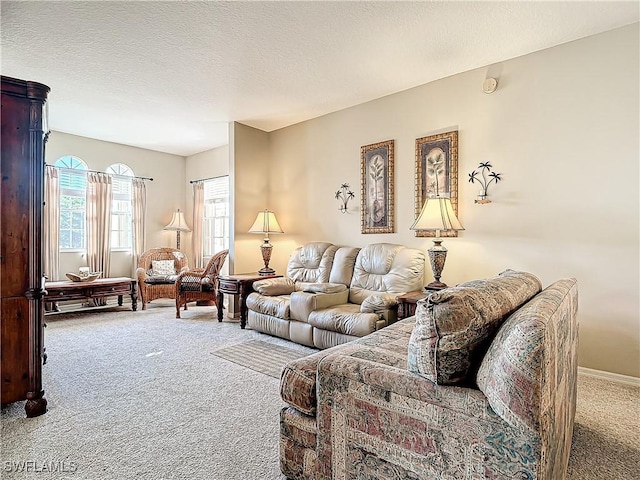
x=179, y=224
x=266, y=223
x=437, y=214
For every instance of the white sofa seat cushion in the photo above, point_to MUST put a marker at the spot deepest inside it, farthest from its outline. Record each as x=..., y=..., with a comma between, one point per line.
x=277, y=306
x=346, y=319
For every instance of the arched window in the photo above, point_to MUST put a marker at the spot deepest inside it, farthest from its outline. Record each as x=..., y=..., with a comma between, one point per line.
x=73, y=188
x=121, y=209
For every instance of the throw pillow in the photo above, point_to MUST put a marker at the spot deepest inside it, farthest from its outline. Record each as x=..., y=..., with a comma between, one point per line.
x=163, y=267
x=454, y=326
x=274, y=286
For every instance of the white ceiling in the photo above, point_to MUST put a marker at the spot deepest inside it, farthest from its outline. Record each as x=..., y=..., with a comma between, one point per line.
x=169, y=76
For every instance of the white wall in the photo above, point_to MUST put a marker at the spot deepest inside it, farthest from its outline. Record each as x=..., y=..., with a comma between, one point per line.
x=211, y=163
x=562, y=128
x=249, y=176
x=165, y=193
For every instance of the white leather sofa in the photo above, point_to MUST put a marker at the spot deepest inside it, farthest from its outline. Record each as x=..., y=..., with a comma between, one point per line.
x=332, y=295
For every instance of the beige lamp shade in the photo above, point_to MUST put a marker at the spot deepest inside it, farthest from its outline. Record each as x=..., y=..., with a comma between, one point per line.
x=437, y=214
x=266, y=223
x=178, y=223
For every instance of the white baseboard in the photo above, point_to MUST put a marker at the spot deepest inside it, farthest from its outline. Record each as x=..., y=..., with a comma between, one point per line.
x=612, y=377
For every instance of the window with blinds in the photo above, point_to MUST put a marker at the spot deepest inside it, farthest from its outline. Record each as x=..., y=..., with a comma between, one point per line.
x=73, y=191
x=121, y=206
x=215, y=227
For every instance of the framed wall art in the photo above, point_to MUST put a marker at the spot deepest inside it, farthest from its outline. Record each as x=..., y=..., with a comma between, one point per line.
x=376, y=169
x=437, y=174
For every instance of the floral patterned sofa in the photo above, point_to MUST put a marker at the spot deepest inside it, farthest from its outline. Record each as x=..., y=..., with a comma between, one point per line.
x=479, y=384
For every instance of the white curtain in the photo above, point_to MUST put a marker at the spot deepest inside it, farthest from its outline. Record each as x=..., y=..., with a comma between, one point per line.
x=99, y=187
x=139, y=220
x=51, y=234
x=198, y=217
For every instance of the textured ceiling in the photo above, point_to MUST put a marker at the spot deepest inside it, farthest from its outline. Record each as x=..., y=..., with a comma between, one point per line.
x=169, y=76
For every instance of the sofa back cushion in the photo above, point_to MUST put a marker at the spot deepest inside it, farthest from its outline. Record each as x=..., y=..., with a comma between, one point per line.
x=454, y=326
x=386, y=268
x=311, y=262
x=530, y=369
x=343, y=264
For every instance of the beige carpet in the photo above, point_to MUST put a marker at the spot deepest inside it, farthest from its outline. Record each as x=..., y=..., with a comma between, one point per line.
x=139, y=395
x=260, y=356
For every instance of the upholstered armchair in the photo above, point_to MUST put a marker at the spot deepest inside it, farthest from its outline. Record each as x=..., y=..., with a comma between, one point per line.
x=157, y=272
x=199, y=284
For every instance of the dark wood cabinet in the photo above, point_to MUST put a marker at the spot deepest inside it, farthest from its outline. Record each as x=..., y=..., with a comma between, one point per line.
x=21, y=276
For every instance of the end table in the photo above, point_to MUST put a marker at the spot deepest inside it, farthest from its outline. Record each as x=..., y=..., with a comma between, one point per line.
x=407, y=303
x=240, y=284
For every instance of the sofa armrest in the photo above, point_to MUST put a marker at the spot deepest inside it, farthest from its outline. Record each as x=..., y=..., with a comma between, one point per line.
x=375, y=417
x=378, y=302
x=303, y=303
x=272, y=287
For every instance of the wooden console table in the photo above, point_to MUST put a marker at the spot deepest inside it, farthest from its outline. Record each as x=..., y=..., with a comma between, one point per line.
x=241, y=284
x=100, y=288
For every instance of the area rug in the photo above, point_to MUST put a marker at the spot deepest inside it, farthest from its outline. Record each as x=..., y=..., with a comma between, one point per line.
x=259, y=356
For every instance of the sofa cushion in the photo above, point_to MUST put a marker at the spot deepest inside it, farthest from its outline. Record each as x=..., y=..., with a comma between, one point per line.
x=275, y=306
x=274, y=286
x=454, y=326
x=346, y=319
x=311, y=262
x=387, y=346
x=163, y=267
x=511, y=373
x=386, y=267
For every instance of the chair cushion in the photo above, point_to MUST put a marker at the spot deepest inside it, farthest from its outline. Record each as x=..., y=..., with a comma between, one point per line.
x=196, y=284
x=346, y=319
x=161, y=279
x=163, y=267
x=455, y=326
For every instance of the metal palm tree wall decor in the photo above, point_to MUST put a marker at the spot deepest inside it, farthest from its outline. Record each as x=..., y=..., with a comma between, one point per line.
x=344, y=195
x=485, y=177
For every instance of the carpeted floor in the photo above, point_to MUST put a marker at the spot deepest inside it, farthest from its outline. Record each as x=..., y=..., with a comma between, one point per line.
x=144, y=395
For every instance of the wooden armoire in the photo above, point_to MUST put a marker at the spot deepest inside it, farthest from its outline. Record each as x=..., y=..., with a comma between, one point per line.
x=21, y=275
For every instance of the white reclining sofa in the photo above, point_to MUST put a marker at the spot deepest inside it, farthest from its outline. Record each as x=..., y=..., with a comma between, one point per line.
x=332, y=295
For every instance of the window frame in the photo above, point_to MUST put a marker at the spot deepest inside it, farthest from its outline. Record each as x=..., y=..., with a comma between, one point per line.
x=122, y=173
x=221, y=196
x=67, y=164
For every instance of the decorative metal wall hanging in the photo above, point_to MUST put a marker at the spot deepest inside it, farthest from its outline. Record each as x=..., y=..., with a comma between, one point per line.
x=344, y=195
x=485, y=177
